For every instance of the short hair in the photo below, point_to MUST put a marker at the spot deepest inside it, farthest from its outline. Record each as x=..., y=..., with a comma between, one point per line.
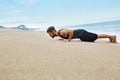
x=50, y=29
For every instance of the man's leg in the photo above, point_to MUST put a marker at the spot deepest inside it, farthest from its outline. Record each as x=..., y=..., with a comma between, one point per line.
x=112, y=38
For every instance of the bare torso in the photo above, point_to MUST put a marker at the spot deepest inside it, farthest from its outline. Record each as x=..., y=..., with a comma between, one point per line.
x=68, y=34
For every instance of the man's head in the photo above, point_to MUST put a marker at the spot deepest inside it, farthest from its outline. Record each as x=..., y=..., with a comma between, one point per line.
x=52, y=31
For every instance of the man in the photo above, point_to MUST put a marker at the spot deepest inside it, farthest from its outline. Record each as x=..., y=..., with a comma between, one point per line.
x=81, y=34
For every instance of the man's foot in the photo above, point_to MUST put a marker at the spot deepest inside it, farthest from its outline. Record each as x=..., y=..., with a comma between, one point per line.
x=113, y=39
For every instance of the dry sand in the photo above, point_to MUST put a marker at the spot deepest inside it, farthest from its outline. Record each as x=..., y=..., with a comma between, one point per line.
x=29, y=55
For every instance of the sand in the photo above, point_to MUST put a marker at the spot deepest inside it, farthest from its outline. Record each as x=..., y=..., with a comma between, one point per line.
x=30, y=55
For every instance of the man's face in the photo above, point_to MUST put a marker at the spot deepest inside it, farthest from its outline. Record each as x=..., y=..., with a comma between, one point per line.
x=51, y=34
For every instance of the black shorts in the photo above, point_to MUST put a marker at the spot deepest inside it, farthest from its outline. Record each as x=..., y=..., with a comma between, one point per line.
x=84, y=35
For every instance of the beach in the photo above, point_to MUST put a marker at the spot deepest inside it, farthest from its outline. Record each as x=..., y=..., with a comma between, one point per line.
x=33, y=55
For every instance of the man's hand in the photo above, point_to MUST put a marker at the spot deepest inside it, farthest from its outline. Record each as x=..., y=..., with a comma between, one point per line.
x=61, y=39
x=66, y=40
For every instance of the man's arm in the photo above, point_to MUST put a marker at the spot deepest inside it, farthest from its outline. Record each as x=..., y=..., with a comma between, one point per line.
x=61, y=39
x=70, y=34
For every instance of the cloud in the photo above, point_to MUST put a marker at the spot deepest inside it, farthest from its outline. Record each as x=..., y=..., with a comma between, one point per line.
x=28, y=2
x=9, y=12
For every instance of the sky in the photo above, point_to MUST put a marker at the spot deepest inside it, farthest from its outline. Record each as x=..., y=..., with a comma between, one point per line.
x=37, y=13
